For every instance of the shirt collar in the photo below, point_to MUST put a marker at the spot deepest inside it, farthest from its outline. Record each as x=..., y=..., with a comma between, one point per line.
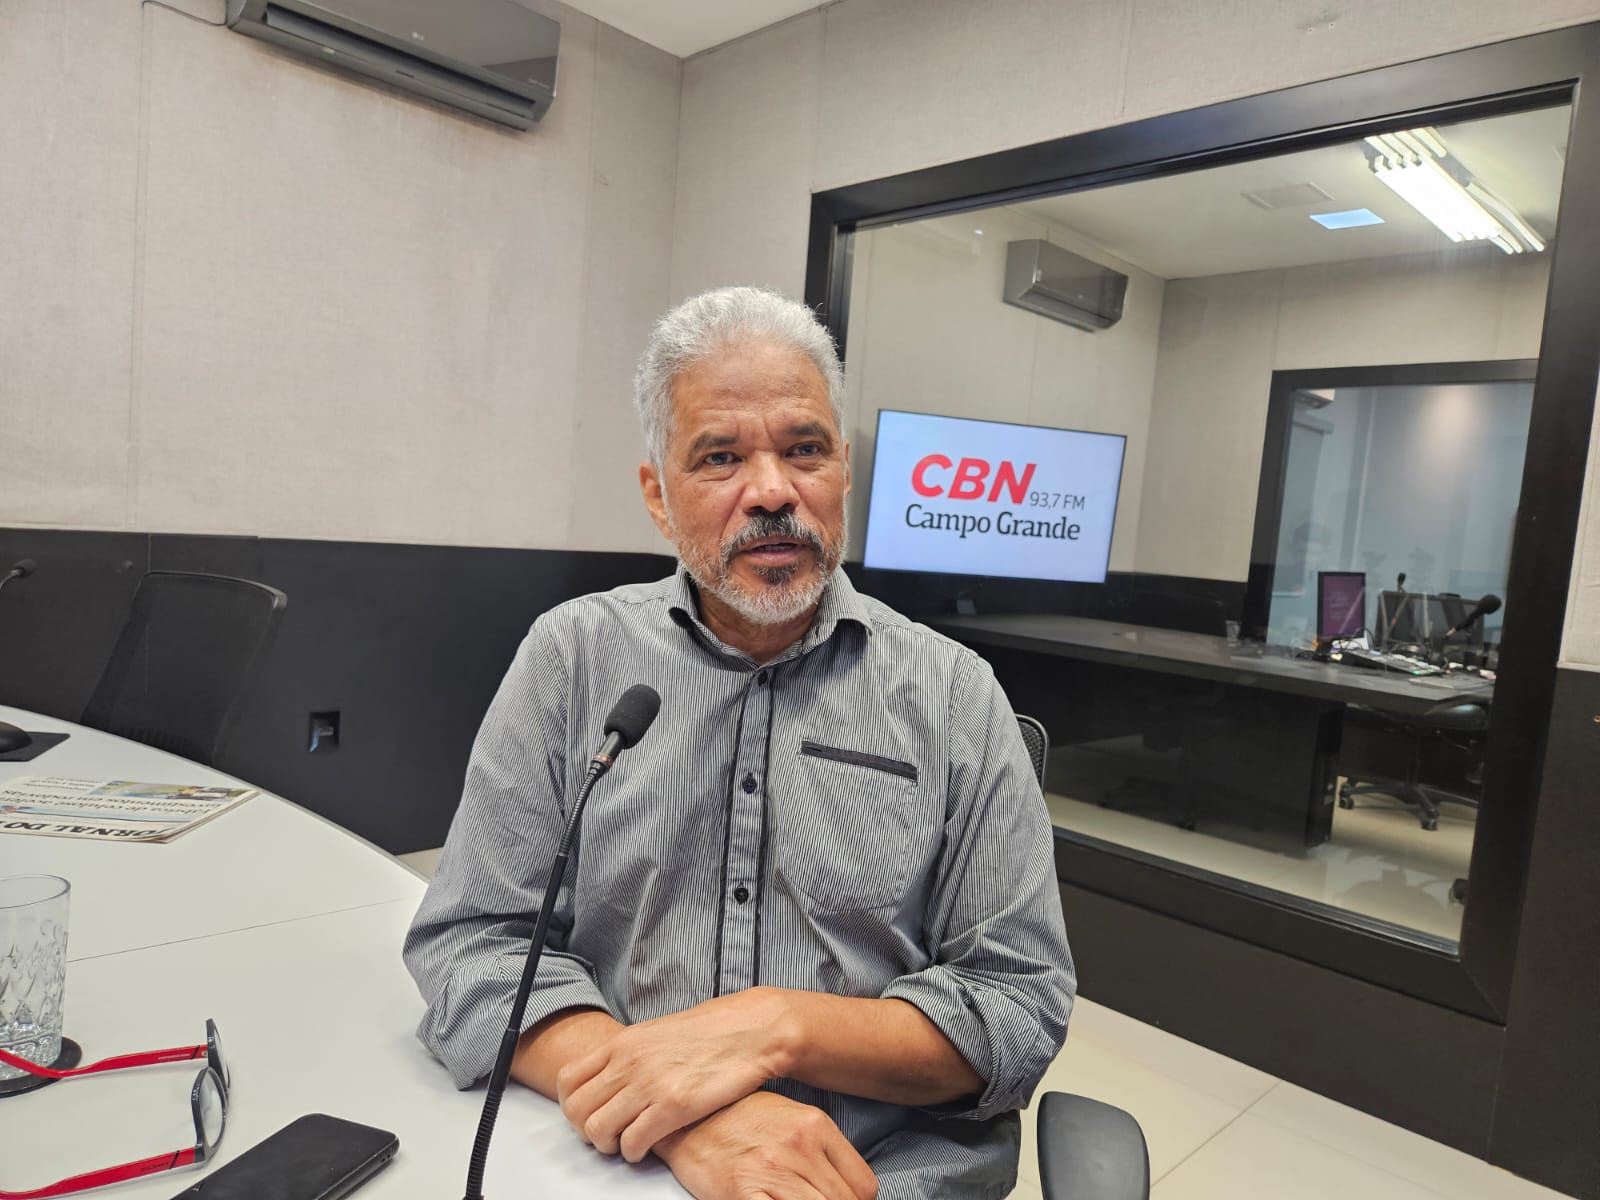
x=840, y=603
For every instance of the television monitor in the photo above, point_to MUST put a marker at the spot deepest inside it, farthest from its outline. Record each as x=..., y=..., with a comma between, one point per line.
x=1423, y=618
x=1411, y=618
x=962, y=496
x=1341, y=604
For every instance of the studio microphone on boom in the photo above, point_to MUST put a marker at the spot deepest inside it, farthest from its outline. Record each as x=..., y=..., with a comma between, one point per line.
x=625, y=725
x=1489, y=604
x=1394, y=617
x=20, y=569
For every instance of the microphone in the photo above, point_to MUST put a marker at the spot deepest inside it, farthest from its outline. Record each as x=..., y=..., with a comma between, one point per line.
x=625, y=724
x=20, y=569
x=1394, y=618
x=1489, y=604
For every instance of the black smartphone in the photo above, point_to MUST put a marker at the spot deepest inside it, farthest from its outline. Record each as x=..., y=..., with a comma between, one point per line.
x=314, y=1158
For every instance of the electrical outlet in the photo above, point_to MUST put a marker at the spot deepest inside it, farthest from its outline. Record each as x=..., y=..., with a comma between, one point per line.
x=324, y=737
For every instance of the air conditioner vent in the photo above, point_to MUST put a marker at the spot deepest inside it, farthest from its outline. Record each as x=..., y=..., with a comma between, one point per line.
x=492, y=58
x=1056, y=283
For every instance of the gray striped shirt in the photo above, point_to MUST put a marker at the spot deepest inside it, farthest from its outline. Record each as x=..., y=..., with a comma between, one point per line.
x=858, y=816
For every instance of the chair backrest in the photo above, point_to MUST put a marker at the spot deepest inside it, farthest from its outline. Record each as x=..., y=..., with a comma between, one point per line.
x=190, y=648
x=1037, y=742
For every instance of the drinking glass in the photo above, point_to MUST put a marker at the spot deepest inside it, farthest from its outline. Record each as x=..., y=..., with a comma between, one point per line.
x=33, y=967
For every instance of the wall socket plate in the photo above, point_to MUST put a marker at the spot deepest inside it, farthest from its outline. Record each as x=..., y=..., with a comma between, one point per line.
x=324, y=732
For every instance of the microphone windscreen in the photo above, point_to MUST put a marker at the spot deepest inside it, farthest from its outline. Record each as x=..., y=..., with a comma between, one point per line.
x=632, y=715
x=1490, y=604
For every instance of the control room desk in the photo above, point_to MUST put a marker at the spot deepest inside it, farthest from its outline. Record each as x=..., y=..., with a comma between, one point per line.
x=1289, y=711
x=287, y=930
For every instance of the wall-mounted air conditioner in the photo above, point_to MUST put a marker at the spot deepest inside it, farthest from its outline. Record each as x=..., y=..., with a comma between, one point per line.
x=1056, y=283
x=489, y=57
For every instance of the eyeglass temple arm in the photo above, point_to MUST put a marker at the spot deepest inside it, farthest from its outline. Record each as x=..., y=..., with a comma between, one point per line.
x=94, y=1179
x=147, y=1058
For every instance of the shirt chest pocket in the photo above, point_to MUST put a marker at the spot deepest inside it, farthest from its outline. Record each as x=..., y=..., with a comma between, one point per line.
x=845, y=827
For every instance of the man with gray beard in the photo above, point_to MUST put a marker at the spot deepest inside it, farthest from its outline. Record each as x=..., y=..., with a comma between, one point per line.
x=813, y=943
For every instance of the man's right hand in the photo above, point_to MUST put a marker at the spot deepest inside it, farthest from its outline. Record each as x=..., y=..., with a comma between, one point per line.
x=767, y=1147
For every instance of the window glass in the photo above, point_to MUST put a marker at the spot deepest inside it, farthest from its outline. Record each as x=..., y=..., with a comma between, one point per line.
x=1321, y=367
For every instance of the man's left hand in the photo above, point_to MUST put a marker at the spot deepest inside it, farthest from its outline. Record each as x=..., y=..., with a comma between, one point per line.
x=655, y=1077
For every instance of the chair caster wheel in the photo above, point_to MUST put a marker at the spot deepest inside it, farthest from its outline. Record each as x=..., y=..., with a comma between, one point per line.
x=1458, y=891
x=1346, y=802
x=1187, y=823
x=1430, y=823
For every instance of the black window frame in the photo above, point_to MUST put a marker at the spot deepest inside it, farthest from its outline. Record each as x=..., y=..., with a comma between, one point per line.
x=1537, y=71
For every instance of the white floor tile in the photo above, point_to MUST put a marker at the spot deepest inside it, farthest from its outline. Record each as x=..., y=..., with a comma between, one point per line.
x=1379, y=862
x=1257, y=1159
x=1398, y=1151
x=1204, y=1070
x=1027, y=1189
x=1177, y=1119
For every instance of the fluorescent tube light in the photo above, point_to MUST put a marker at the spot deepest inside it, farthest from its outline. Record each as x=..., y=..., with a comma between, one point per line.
x=1416, y=165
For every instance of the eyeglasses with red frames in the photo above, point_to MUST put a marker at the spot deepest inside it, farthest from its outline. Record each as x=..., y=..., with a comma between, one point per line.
x=208, y=1099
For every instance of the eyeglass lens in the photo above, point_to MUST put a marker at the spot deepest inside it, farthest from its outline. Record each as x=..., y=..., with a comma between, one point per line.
x=212, y=1109
x=218, y=1063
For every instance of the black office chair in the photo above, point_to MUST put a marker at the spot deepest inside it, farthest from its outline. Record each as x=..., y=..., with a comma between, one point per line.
x=1088, y=1150
x=1462, y=726
x=190, y=648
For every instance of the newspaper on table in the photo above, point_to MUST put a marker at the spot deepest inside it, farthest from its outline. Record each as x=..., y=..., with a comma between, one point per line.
x=112, y=810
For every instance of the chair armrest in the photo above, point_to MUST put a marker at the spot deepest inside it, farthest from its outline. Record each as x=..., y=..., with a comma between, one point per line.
x=1090, y=1151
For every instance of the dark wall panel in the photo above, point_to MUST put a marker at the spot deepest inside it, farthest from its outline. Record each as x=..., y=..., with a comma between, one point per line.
x=924, y=594
x=1547, y=1124
x=1404, y=1060
x=58, y=625
x=407, y=643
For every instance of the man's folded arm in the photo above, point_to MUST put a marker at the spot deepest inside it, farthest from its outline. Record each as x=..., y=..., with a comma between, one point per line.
x=1001, y=986
x=471, y=934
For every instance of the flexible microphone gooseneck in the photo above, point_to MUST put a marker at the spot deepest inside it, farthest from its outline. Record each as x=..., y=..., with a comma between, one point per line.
x=19, y=570
x=625, y=725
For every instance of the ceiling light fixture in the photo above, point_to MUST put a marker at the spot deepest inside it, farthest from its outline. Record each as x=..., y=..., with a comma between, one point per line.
x=1416, y=165
x=1350, y=218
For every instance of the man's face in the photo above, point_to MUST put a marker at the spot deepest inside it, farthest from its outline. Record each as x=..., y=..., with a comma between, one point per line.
x=752, y=488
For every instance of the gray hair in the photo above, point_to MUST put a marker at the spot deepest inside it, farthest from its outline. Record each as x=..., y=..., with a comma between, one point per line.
x=711, y=321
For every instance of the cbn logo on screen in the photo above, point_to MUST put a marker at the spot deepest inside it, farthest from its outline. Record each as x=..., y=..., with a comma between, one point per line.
x=970, y=478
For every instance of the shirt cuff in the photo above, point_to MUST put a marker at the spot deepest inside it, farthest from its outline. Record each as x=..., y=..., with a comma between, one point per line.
x=999, y=1039
x=463, y=1027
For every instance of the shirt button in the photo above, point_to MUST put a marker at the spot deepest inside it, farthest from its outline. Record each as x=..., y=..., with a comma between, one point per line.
x=749, y=782
x=741, y=893
x=761, y=678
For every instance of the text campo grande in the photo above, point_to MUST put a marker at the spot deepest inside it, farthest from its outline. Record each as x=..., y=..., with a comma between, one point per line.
x=1005, y=523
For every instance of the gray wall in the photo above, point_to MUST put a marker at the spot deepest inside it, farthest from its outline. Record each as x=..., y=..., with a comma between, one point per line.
x=243, y=294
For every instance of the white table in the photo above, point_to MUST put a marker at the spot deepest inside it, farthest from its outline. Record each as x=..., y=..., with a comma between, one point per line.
x=286, y=929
